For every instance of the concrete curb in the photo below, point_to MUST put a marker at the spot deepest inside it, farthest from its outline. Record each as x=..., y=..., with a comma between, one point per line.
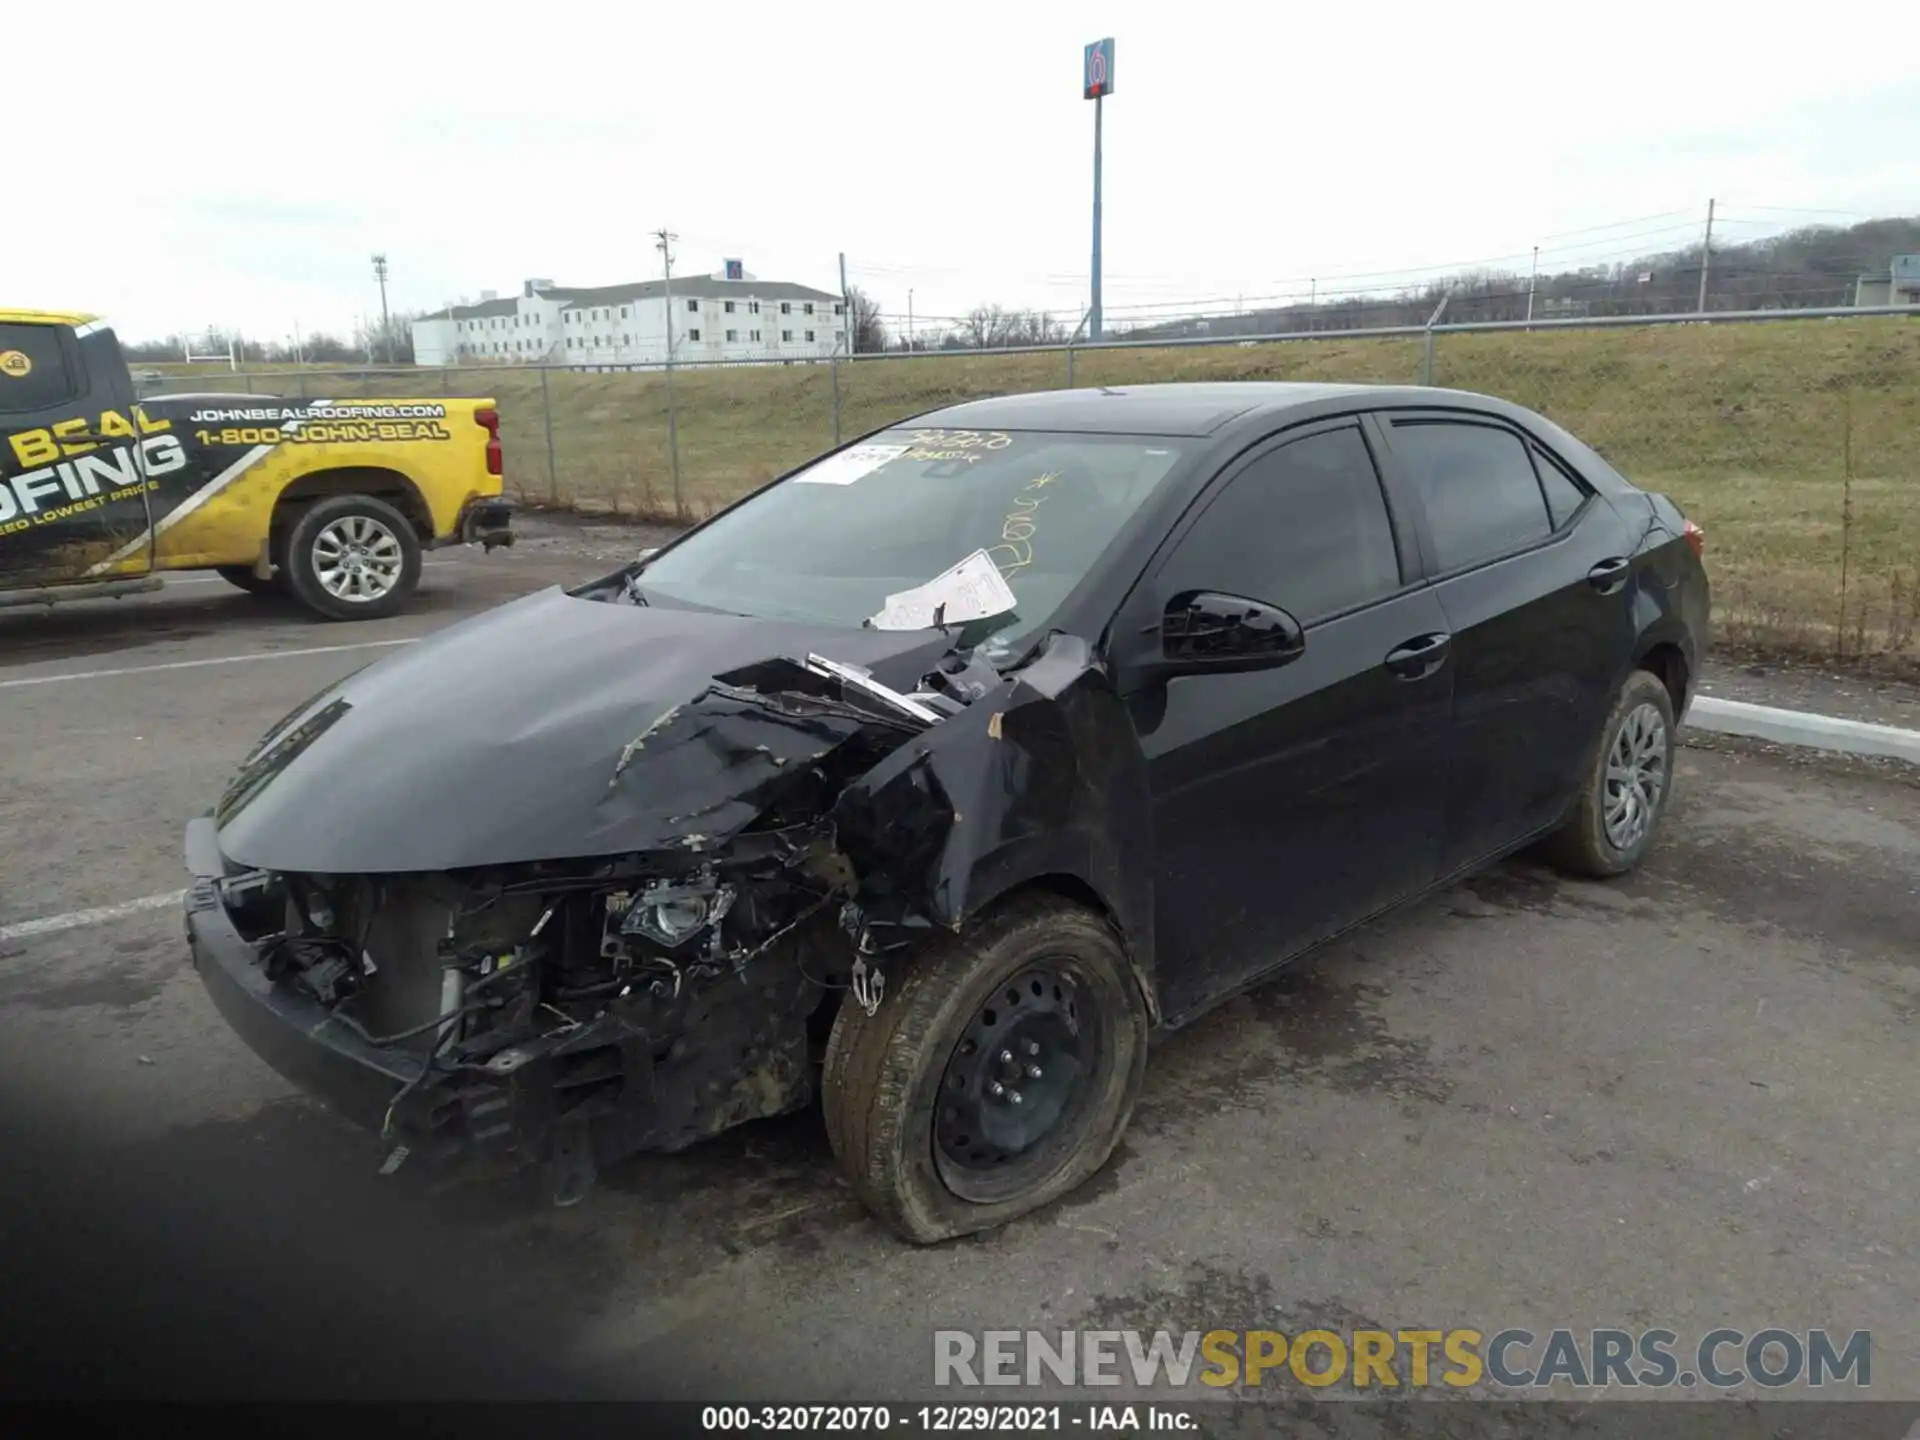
x=1798, y=727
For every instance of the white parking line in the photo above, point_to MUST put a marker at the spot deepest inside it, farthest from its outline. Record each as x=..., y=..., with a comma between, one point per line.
x=197, y=664
x=99, y=915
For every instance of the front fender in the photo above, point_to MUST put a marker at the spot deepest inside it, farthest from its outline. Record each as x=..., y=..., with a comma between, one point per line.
x=1040, y=780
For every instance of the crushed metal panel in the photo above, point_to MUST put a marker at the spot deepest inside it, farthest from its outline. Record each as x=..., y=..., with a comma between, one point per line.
x=1042, y=775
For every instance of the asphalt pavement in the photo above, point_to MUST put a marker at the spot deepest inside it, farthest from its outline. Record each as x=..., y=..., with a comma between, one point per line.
x=1684, y=1099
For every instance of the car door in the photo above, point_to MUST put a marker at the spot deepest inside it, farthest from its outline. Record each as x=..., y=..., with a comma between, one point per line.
x=1289, y=802
x=1532, y=571
x=72, y=482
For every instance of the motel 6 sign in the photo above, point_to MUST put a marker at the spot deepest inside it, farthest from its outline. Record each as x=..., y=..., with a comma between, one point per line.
x=1097, y=70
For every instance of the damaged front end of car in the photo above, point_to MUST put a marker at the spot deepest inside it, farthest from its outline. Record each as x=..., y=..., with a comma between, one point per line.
x=789, y=829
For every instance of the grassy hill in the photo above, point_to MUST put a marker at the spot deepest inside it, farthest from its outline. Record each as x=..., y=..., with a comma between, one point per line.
x=1795, y=443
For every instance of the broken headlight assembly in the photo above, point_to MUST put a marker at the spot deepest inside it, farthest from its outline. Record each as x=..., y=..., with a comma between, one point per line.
x=670, y=914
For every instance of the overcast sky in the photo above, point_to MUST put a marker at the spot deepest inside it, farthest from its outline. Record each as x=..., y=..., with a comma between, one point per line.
x=202, y=163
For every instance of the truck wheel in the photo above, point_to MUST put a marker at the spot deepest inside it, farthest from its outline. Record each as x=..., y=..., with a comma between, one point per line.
x=996, y=1077
x=243, y=578
x=353, y=557
x=1626, y=786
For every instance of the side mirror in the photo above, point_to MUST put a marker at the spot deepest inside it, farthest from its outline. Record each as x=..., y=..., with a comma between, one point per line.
x=1207, y=633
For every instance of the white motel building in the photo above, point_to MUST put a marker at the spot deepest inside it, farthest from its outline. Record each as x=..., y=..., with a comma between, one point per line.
x=730, y=315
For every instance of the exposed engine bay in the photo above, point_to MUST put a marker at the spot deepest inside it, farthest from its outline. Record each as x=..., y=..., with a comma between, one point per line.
x=805, y=824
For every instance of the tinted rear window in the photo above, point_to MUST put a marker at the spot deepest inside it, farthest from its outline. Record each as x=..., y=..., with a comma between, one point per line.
x=1482, y=496
x=33, y=369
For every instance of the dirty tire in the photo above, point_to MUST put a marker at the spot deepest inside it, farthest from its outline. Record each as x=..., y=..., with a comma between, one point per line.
x=302, y=574
x=1582, y=846
x=241, y=577
x=884, y=1073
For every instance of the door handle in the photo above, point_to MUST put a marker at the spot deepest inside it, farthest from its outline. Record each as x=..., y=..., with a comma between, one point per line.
x=1609, y=575
x=1420, y=656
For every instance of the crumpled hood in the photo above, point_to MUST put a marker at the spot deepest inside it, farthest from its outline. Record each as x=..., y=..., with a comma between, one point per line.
x=496, y=740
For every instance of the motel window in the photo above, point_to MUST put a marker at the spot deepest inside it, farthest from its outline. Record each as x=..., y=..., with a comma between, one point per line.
x=693, y=334
x=693, y=306
x=809, y=335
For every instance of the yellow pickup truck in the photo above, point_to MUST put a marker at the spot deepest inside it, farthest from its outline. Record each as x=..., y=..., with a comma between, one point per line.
x=332, y=501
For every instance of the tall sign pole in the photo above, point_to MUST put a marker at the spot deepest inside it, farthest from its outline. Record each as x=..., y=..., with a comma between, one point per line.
x=1096, y=85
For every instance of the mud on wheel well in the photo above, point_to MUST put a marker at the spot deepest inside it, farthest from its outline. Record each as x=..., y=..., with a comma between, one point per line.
x=1667, y=664
x=388, y=485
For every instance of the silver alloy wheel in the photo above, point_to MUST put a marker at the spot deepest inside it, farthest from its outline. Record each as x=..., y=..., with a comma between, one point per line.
x=357, y=559
x=1636, y=776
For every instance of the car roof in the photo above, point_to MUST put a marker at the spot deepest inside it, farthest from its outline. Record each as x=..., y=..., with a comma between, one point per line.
x=1184, y=408
x=45, y=317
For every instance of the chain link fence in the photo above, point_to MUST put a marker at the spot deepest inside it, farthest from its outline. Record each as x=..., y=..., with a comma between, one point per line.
x=1792, y=437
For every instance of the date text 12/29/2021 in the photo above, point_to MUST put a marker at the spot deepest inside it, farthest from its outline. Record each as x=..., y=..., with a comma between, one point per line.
x=945, y=1419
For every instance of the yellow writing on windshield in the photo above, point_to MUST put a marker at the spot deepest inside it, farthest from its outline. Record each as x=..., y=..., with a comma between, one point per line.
x=1015, y=550
x=968, y=445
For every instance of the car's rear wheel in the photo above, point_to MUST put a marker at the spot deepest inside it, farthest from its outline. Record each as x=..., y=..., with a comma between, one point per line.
x=1627, y=786
x=242, y=577
x=996, y=1078
x=353, y=557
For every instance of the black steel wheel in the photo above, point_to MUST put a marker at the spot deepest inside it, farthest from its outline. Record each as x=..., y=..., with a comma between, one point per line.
x=933, y=1104
x=1017, y=1086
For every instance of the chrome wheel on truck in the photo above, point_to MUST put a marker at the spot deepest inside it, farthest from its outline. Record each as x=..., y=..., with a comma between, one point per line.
x=357, y=558
x=353, y=557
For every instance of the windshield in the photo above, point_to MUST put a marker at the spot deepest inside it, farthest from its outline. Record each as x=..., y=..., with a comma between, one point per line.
x=833, y=543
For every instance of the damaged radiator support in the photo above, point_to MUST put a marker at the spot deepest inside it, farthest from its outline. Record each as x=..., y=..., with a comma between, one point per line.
x=792, y=831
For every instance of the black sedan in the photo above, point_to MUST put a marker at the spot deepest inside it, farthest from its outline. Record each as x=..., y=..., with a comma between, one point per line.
x=934, y=777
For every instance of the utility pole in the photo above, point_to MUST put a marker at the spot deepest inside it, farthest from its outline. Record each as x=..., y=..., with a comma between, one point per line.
x=664, y=244
x=1098, y=76
x=1533, y=276
x=846, y=305
x=1706, y=259
x=909, y=320
x=386, y=325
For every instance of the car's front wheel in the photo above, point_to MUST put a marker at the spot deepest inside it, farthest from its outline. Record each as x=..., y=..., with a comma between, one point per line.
x=1626, y=789
x=353, y=557
x=997, y=1077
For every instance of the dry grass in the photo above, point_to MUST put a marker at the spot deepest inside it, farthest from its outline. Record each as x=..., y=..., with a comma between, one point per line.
x=1796, y=444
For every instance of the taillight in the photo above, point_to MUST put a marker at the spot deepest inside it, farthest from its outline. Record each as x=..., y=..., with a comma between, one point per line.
x=1696, y=539
x=489, y=418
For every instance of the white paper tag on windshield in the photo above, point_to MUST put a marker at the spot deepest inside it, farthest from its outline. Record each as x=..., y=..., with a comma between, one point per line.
x=971, y=590
x=850, y=464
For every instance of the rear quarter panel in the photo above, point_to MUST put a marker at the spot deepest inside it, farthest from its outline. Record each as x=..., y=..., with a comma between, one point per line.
x=244, y=451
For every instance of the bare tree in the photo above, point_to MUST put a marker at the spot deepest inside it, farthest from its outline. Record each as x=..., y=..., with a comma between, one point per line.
x=391, y=344
x=869, y=331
